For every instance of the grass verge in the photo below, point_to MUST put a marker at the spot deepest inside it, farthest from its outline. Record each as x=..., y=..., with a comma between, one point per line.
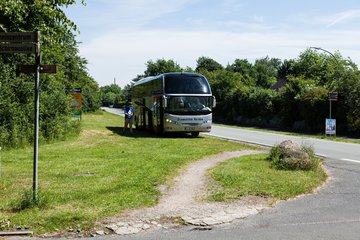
x=100, y=174
x=254, y=176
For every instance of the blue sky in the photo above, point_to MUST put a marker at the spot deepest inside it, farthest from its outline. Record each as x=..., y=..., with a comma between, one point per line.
x=119, y=36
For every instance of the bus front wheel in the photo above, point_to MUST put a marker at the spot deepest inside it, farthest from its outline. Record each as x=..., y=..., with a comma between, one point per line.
x=195, y=134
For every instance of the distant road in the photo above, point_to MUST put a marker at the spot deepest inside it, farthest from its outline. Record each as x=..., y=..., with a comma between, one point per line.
x=116, y=111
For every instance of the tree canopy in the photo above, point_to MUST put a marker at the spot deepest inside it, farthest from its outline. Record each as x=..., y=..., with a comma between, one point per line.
x=58, y=46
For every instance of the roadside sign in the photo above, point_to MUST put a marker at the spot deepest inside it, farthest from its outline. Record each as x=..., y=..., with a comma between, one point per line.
x=330, y=126
x=17, y=37
x=17, y=48
x=29, y=69
x=76, y=103
x=333, y=96
x=48, y=69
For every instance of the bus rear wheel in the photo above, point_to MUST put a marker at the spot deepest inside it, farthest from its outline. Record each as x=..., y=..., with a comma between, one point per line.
x=195, y=134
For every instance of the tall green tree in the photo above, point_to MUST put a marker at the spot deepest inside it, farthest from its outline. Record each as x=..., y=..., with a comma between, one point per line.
x=266, y=71
x=245, y=68
x=161, y=66
x=111, y=95
x=207, y=64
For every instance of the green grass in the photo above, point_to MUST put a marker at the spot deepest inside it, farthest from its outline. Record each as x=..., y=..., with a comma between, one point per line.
x=99, y=174
x=253, y=175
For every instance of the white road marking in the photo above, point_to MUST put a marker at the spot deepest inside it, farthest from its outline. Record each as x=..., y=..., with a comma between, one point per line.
x=350, y=160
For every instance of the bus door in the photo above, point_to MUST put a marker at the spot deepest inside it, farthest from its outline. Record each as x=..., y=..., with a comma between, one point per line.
x=156, y=114
x=161, y=114
x=143, y=114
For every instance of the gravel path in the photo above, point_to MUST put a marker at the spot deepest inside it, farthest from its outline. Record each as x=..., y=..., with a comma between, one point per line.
x=184, y=201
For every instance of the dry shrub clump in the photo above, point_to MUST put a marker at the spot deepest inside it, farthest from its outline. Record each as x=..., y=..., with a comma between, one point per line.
x=289, y=155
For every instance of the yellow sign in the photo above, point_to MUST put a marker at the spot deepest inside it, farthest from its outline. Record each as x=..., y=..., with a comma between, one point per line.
x=76, y=102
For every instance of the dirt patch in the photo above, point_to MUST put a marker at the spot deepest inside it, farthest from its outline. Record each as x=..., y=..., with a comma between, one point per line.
x=92, y=133
x=184, y=200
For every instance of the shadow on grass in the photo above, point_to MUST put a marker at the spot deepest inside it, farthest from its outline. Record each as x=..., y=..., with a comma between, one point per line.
x=147, y=134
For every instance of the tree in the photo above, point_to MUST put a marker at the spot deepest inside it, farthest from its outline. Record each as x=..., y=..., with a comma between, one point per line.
x=286, y=69
x=245, y=68
x=208, y=64
x=58, y=47
x=161, y=66
x=110, y=95
x=266, y=71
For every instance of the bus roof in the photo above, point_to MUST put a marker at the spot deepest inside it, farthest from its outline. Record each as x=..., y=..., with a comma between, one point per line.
x=148, y=79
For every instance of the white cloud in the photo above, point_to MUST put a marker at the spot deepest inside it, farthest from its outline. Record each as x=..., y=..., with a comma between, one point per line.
x=338, y=18
x=123, y=53
x=129, y=12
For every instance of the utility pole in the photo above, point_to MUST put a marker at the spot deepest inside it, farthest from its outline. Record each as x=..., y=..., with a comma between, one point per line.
x=330, y=124
x=36, y=115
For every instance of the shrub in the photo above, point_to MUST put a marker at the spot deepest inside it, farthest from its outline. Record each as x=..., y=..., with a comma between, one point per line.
x=302, y=159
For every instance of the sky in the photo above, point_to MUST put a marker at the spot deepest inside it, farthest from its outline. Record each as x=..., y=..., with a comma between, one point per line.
x=118, y=37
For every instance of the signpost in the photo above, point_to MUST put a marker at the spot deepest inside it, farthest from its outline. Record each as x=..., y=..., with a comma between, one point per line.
x=29, y=42
x=330, y=124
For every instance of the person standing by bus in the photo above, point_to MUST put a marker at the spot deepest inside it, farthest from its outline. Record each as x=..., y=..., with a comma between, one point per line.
x=129, y=112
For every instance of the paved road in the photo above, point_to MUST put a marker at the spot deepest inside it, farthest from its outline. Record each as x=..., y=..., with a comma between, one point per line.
x=325, y=148
x=333, y=213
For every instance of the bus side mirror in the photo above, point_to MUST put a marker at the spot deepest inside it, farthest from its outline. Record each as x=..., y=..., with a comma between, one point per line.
x=214, y=102
x=165, y=102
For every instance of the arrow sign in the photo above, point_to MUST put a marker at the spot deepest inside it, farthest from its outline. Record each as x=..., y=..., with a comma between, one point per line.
x=17, y=37
x=29, y=69
x=17, y=48
x=48, y=69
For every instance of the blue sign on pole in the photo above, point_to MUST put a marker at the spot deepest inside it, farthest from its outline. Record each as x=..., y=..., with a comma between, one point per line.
x=330, y=126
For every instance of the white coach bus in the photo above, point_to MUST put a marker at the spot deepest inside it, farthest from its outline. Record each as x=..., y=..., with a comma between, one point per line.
x=173, y=102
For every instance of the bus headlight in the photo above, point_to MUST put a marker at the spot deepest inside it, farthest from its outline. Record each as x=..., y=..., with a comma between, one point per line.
x=167, y=120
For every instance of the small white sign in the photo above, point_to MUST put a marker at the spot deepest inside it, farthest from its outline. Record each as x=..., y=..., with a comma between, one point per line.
x=330, y=126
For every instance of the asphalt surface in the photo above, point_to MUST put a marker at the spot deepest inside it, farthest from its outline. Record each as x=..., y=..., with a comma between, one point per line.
x=332, y=213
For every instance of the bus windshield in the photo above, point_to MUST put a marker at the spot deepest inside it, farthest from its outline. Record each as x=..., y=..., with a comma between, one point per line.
x=190, y=84
x=189, y=105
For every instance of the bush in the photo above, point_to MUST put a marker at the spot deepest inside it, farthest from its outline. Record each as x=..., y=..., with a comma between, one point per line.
x=302, y=159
